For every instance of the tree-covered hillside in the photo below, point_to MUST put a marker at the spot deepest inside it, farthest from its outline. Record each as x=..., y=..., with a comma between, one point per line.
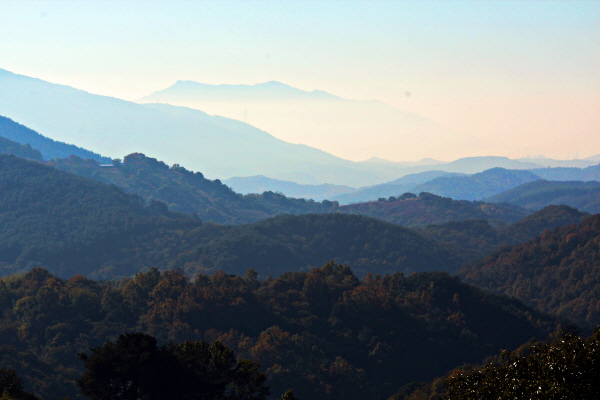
x=294, y=243
x=475, y=238
x=71, y=224
x=190, y=192
x=426, y=208
x=20, y=150
x=324, y=333
x=557, y=272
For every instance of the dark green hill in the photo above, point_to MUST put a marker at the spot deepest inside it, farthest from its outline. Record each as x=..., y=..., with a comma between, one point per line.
x=476, y=238
x=477, y=186
x=584, y=196
x=533, y=225
x=20, y=150
x=558, y=272
x=70, y=224
x=325, y=333
x=49, y=148
x=293, y=243
x=425, y=209
x=190, y=192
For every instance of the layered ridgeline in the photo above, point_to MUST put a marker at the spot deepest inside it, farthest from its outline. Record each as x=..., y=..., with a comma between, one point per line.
x=584, y=196
x=488, y=185
x=69, y=224
x=189, y=192
x=217, y=146
x=48, y=148
x=322, y=120
x=324, y=333
x=558, y=272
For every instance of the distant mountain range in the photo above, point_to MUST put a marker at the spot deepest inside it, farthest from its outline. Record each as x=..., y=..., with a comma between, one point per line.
x=459, y=186
x=260, y=184
x=219, y=147
x=339, y=126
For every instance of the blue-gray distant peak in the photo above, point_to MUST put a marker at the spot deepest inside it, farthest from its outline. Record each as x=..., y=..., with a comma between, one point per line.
x=271, y=90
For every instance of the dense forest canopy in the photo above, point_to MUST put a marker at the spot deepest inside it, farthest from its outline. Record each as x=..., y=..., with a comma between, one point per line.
x=325, y=333
x=475, y=238
x=558, y=271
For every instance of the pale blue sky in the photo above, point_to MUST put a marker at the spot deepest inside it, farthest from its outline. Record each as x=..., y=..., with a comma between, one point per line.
x=464, y=62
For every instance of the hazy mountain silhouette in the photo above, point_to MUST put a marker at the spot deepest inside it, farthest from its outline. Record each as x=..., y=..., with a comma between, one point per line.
x=218, y=146
x=346, y=128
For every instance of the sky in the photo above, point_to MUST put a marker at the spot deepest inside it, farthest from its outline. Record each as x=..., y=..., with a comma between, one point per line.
x=503, y=70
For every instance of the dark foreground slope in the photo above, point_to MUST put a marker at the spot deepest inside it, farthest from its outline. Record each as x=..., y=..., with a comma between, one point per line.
x=557, y=272
x=325, y=333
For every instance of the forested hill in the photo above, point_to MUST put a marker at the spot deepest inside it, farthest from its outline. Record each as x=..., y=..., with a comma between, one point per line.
x=475, y=238
x=293, y=243
x=426, y=208
x=67, y=223
x=325, y=333
x=584, y=196
x=558, y=272
x=20, y=150
x=70, y=224
x=49, y=148
x=190, y=192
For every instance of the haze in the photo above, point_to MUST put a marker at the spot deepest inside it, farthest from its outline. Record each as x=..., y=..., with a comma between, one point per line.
x=512, y=78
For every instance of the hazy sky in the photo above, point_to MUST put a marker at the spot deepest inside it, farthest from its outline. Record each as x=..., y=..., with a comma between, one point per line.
x=499, y=69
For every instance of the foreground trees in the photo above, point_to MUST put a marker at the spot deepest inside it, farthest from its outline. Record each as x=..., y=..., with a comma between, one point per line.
x=135, y=368
x=566, y=369
x=11, y=387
